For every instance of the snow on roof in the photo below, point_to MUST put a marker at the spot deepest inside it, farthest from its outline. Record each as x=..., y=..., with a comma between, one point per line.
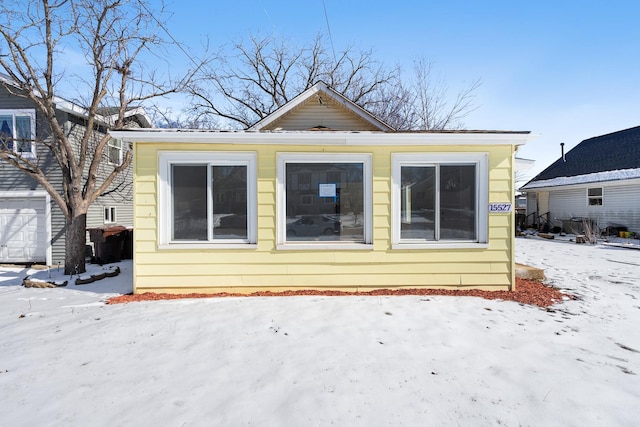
x=616, y=175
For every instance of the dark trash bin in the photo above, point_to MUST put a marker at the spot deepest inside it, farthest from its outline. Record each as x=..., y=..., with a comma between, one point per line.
x=111, y=244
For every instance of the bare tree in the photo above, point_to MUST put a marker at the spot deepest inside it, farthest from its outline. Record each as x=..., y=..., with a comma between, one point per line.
x=432, y=107
x=168, y=118
x=112, y=36
x=253, y=78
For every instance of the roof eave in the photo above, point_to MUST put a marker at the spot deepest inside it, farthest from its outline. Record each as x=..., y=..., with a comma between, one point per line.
x=321, y=138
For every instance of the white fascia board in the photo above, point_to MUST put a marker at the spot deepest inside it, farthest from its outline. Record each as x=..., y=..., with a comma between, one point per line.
x=320, y=138
x=69, y=107
x=138, y=111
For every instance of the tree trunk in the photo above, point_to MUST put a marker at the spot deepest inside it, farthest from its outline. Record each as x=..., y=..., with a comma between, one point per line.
x=75, y=243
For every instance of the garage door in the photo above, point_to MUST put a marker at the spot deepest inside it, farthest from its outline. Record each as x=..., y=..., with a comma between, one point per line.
x=23, y=229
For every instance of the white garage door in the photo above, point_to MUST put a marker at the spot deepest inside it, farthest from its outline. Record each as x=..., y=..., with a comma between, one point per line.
x=23, y=229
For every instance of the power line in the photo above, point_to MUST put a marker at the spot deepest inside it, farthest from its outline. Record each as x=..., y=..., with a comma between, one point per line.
x=273, y=24
x=326, y=17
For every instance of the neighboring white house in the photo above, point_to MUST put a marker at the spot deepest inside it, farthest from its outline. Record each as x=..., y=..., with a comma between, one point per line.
x=598, y=180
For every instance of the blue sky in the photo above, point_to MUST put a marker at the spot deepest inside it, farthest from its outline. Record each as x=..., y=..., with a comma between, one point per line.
x=566, y=70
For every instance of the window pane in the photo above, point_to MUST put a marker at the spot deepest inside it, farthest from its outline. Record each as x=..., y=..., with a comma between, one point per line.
x=23, y=134
x=418, y=194
x=229, y=188
x=114, y=149
x=6, y=132
x=457, y=202
x=595, y=196
x=325, y=202
x=189, y=199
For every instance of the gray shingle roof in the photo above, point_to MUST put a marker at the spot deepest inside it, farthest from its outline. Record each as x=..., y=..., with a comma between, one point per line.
x=614, y=151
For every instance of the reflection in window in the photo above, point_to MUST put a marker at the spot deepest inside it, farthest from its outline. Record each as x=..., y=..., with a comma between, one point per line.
x=189, y=196
x=457, y=202
x=324, y=202
x=16, y=132
x=114, y=149
x=193, y=219
x=417, y=216
x=438, y=202
x=230, y=215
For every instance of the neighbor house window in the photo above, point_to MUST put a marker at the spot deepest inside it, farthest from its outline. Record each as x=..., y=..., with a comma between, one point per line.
x=439, y=199
x=17, y=131
x=110, y=215
x=594, y=196
x=115, y=151
x=324, y=199
x=208, y=198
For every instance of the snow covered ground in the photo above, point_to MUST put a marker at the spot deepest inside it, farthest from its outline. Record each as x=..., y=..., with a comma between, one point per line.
x=66, y=358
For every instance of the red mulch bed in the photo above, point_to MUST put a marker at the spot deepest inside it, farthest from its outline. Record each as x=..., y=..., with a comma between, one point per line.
x=529, y=292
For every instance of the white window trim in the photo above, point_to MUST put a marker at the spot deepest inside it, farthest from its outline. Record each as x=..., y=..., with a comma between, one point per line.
x=168, y=158
x=110, y=215
x=120, y=152
x=283, y=159
x=21, y=113
x=482, y=200
x=595, y=197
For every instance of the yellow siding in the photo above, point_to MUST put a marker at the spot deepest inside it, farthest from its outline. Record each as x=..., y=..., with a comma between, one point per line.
x=265, y=267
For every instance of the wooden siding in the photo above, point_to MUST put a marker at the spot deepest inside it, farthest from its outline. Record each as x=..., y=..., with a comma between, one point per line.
x=266, y=267
x=330, y=114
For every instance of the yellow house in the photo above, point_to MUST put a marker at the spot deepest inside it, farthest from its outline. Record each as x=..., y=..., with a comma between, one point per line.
x=322, y=195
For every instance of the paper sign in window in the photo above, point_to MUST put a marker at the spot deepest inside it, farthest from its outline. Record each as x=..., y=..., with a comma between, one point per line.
x=326, y=190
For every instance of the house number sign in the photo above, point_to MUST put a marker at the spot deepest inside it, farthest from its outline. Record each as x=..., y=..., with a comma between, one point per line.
x=499, y=207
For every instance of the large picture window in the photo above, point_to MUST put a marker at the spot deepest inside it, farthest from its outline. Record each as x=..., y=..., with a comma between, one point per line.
x=209, y=198
x=324, y=198
x=439, y=198
x=17, y=131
